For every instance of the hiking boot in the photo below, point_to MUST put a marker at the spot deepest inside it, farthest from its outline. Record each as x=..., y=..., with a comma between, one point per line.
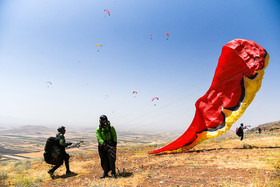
x=104, y=175
x=69, y=173
x=114, y=175
x=51, y=174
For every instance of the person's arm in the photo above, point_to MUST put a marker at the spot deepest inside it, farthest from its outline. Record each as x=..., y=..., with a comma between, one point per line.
x=114, y=136
x=62, y=141
x=98, y=136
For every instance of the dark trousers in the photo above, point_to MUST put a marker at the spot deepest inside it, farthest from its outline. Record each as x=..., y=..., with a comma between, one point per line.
x=241, y=135
x=108, y=160
x=63, y=157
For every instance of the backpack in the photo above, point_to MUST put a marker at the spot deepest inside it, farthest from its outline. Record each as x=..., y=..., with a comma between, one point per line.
x=52, y=150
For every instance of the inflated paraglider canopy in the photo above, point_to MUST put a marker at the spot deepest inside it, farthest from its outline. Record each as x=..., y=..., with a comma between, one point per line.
x=97, y=46
x=155, y=99
x=167, y=34
x=134, y=93
x=237, y=79
x=49, y=83
x=107, y=12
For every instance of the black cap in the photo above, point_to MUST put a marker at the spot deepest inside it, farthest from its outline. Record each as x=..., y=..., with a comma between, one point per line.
x=61, y=128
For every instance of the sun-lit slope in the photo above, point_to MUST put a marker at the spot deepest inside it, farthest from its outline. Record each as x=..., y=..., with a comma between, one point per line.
x=221, y=161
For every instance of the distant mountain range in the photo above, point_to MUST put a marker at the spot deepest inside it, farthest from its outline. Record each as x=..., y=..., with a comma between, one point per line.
x=27, y=130
x=43, y=130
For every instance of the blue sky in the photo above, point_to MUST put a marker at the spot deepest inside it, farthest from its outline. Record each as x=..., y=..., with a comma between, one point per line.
x=55, y=41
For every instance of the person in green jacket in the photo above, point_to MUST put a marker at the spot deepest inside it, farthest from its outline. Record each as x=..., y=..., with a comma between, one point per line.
x=107, y=146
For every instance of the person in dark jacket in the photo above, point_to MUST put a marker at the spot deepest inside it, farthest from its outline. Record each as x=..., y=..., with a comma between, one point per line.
x=240, y=131
x=63, y=156
x=107, y=145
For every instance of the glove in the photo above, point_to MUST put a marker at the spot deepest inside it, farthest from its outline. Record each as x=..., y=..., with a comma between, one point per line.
x=107, y=147
x=69, y=143
x=114, y=144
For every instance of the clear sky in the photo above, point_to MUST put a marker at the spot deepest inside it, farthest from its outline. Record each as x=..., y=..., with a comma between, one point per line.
x=51, y=40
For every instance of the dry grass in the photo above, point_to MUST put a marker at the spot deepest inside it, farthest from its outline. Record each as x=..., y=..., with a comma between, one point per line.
x=255, y=161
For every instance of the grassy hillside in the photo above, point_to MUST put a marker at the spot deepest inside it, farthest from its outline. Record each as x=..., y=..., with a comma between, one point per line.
x=267, y=128
x=227, y=161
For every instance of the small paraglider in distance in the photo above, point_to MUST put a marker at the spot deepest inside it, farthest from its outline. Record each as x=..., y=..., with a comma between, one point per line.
x=134, y=93
x=167, y=34
x=155, y=99
x=98, y=47
x=107, y=12
x=49, y=83
x=106, y=97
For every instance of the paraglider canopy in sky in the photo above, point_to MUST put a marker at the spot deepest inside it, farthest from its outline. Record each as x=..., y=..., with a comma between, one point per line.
x=107, y=12
x=134, y=93
x=49, y=83
x=154, y=100
x=97, y=46
x=167, y=34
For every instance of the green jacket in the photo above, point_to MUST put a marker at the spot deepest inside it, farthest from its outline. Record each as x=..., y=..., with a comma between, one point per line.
x=106, y=134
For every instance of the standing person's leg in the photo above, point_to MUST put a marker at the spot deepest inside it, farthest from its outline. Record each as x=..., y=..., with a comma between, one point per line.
x=66, y=160
x=51, y=171
x=242, y=134
x=112, y=161
x=59, y=163
x=103, y=154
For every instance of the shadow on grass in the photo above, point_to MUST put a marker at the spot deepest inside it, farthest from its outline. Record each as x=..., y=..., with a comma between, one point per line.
x=124, y=173
x=63, y=176
x=245, y=146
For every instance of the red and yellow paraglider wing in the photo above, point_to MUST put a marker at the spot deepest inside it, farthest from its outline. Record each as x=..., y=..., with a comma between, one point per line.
x=237, y=79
